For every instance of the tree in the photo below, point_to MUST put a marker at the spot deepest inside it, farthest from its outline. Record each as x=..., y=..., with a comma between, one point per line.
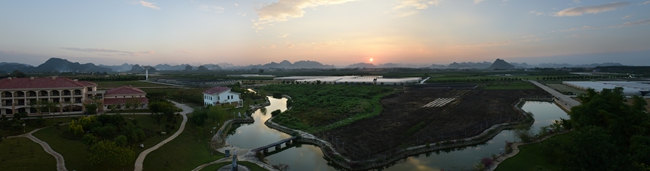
x=17, y=74
x=134, y=104
x=202, y=68
x=188, y=68
x=108, y=152
x=121, y=140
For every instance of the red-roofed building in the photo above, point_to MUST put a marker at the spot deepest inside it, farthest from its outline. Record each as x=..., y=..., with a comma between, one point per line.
x=28, y=94
x=221, y=95
x=120, y=96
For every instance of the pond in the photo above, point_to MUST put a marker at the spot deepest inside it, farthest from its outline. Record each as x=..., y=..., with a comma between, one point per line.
x=310, y=157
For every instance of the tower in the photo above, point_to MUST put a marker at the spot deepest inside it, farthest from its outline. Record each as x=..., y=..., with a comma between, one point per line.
x=146, y=69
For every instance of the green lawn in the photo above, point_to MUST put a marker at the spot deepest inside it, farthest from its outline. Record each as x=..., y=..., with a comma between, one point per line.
x=531, y=158
x=76, y=153
x=249, y=165
x=189, y=150
x=113, y=84
x=24, y=154
x=31, y=124
x=514, y=85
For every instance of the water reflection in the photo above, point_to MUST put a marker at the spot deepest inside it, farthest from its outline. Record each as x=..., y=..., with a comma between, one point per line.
x=309, y=157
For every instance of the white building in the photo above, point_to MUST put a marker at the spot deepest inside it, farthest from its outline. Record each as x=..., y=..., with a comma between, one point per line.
x=222, y=95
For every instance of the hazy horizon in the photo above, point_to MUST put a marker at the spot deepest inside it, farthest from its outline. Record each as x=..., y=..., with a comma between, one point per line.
x=334, y=32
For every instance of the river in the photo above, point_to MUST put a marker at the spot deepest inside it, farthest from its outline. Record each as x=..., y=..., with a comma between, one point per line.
x=310, y=157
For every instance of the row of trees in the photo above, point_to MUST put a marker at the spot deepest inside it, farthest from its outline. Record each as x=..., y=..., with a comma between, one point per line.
x=609, y=134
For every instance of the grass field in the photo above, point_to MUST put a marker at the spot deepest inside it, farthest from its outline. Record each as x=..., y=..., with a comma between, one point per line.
x=249, y=165
x=113, y=84
x=515, y=85
x=531, y=158
x=24, y=154
x=189, y=150
x=76, y=153
x=30, y=125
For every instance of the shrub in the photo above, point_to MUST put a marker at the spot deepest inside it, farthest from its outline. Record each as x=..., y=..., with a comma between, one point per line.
x=89, y=139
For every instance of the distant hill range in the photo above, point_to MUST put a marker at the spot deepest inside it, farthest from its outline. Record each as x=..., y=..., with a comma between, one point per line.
x=55, y=65
x=288, y=65
x=500, y=64
x=63, y=65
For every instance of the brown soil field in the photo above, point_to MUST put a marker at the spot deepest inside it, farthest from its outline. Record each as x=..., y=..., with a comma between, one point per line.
x=473, y=111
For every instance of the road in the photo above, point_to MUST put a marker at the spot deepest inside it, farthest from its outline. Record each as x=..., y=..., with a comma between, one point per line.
x=563, y=100
x=60, y=162
x=143, y=155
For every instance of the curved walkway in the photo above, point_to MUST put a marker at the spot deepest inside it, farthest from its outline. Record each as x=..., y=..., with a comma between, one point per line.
x=141, y=157
x=60, y=162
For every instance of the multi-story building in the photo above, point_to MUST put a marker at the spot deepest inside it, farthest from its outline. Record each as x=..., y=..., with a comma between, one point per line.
x=121, y=96
x=52, y=95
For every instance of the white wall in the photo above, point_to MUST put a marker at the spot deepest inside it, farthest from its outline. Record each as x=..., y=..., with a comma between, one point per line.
x=223, y=98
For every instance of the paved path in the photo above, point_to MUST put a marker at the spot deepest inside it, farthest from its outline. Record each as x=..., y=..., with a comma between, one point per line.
x=564, y=100
x=60, y=162
x=140, y=159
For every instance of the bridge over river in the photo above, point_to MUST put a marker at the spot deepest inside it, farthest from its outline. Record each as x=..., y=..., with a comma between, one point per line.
x=277, y=145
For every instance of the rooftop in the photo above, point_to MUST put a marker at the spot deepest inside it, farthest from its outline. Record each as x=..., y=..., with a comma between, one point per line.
x=216, y=90
x=124, y=90
x=45, y=82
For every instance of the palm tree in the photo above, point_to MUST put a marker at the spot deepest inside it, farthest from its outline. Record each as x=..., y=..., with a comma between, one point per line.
x=39, y=106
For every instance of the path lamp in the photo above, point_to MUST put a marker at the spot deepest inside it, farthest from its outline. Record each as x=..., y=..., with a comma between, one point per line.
x=23, y=127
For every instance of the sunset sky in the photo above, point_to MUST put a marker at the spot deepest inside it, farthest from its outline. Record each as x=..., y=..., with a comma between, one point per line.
x=338, y=32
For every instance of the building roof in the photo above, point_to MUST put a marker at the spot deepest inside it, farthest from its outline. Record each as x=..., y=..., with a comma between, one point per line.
x=45, y=82
x=216, y=90
x=124, y=90
x=112, y=101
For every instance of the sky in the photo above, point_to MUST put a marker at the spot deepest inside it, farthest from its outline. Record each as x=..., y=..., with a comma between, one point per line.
x=338, y=32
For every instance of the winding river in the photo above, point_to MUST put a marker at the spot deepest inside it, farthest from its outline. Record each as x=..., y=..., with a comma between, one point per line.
x=310, y=157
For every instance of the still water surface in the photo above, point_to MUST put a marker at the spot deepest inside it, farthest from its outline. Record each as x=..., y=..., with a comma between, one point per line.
x=309, y=157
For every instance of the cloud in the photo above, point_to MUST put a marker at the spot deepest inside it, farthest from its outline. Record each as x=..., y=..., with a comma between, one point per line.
x=576, y=1
x=216, y=9
x=626, y=17
x=290, y=45
x=634, y=23
x=491, y=44
x=236, y=4
x=324, y=44
x=410, y=7
x=581, y=28
x=645, y=3
x=284, y=10
x=101, y=50
x=478, y=1
x=242, y=14
x=283, y=35
x=537, y=13
x=578, y=11
x=149, y=5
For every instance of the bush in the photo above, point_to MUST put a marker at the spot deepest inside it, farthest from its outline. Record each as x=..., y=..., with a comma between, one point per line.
x=89, y=139
x=121, y=140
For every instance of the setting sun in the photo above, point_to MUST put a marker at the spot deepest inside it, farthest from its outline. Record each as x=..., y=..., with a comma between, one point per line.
x=371, y=59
